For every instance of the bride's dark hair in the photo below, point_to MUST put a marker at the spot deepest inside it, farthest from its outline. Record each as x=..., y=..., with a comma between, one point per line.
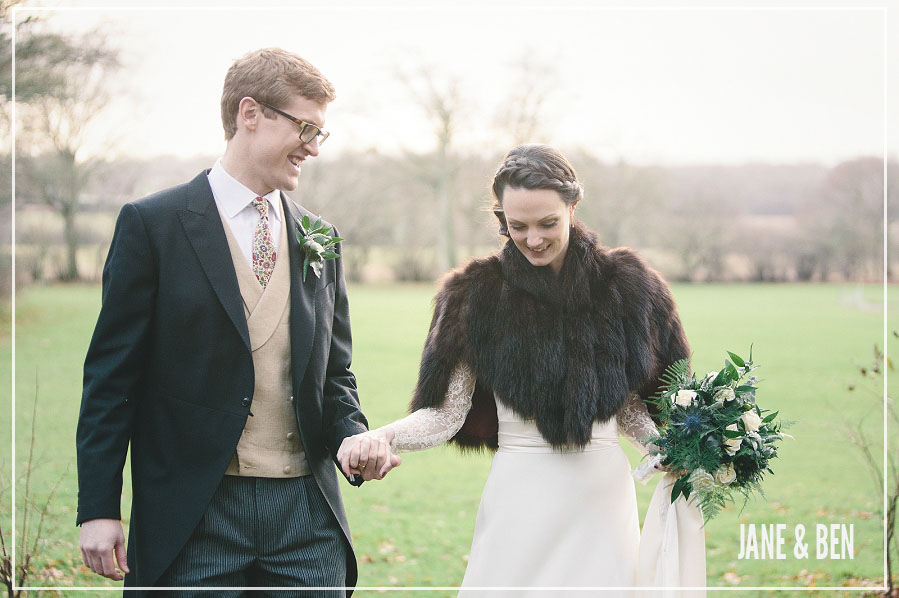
x=534, y=166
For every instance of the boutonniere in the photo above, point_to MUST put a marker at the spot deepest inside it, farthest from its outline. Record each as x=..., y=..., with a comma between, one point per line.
x=317, y=246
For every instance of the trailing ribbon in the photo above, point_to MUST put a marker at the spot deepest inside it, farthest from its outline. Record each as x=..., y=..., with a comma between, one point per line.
x=672, y=546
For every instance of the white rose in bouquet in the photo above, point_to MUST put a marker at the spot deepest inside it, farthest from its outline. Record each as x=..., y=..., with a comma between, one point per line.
x=732, y=445
x=724, y=394
x=751, y=420
x=725, y=475
x=684, y=398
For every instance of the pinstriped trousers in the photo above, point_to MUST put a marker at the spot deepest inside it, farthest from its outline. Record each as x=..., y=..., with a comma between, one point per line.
x=262, y=532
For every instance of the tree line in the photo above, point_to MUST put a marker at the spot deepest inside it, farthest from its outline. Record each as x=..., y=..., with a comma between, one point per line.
x=754, y=222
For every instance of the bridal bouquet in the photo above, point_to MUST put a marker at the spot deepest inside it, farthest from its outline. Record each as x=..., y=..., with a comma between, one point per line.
x=713, y=435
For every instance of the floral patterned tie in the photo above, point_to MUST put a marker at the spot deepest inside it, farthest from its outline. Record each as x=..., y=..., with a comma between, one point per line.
x=263, y=247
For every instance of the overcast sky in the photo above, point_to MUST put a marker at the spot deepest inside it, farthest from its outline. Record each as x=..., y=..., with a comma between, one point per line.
x=655, y=83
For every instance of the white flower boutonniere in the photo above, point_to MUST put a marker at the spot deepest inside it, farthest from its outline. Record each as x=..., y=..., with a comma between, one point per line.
x=317, y=246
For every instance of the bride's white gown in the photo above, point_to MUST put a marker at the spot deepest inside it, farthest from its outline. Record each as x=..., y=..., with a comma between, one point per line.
x=557, y=519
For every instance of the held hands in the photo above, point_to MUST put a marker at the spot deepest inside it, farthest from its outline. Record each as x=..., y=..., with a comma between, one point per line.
x=103, y=546
x=368, y=454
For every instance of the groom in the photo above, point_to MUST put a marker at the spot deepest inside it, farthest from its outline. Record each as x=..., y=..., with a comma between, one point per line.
x=226, y=372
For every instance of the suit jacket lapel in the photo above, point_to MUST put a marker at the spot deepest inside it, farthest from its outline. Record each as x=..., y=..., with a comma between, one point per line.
x=302, y=295
x=203, y=226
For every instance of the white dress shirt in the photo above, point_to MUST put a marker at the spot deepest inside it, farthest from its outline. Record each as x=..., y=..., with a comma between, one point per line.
x=235, y=203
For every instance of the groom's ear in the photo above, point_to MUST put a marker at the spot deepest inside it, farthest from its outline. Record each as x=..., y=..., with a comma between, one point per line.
x=248, y=114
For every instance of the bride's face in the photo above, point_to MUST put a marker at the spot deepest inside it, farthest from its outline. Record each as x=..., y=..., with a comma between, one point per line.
x=539, y=223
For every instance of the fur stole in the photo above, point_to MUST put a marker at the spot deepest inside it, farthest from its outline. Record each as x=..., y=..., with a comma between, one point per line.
x=564, y=350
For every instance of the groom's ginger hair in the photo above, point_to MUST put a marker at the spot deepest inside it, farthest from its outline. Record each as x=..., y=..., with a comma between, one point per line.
x=273, y=76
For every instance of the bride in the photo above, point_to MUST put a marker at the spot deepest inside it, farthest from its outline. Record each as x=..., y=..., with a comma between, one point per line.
x=544, y=352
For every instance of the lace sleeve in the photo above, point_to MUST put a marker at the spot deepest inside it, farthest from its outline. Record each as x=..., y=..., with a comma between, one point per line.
x=432, y=426
x=635, y=424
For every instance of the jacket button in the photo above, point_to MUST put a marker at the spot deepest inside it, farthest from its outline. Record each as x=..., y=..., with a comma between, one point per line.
x=245, y=402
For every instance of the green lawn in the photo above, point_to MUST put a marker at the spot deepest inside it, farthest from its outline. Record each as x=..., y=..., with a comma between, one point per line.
x=414, y=528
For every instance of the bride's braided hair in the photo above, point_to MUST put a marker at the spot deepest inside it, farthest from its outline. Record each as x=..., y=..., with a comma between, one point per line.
x=534, y=166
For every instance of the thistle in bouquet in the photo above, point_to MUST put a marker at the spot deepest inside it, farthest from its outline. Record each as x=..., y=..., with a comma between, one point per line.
x=713, y=434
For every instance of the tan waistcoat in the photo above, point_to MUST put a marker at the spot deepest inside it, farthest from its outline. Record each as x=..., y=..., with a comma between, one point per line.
x=270, y=445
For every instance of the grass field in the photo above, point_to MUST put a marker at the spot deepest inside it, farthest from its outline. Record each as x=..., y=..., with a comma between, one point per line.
x=414, y=528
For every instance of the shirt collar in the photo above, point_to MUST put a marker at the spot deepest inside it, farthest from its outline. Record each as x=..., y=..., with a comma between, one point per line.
x=232, y=196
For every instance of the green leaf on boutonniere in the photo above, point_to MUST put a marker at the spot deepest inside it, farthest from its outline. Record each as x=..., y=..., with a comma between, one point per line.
x=305, y=267
x=316, y=245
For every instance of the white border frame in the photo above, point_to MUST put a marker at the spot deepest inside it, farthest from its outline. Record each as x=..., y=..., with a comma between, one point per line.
x=885, y=13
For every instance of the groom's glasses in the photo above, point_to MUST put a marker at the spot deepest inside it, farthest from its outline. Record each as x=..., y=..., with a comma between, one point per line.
x=308, y=131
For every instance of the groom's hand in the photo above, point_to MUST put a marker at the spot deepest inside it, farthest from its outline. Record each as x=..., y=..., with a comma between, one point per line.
x=103, y=546
x=368, y=454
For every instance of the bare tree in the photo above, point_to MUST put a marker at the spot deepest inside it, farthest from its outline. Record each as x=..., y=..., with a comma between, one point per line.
x=6, y=32
x=30, y=533
x=362, y=196
x=892, y=213
x=885, y=476
x=63, y=90
x=622, y=201
x=478, y=225
x=440, y=99
x=521, y=115
x=844, y=221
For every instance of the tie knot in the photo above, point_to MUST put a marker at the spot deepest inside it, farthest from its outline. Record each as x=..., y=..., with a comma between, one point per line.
x=261, y=206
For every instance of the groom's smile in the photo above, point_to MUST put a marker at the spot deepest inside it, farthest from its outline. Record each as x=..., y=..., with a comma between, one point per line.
x=279, y=153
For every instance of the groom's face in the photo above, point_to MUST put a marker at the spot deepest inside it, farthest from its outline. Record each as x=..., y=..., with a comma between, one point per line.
x=277, y=154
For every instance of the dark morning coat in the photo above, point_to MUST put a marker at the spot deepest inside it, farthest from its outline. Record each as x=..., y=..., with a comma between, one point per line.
x=169, y=370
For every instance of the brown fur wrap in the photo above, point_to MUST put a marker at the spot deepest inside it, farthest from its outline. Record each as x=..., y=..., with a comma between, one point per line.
x=564, y=350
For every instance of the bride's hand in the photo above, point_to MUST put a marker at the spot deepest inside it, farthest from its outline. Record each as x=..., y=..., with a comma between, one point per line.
x=666, y=468
x=368, y=454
